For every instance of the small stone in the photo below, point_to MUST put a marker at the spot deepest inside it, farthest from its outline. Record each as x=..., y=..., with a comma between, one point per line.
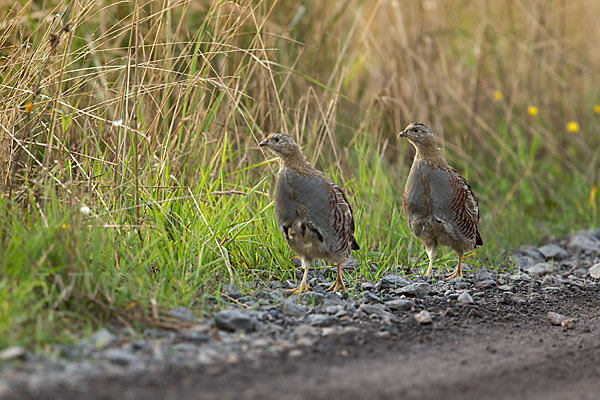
x=556, y=318
x=583, y=241
x=11, y=353
x=423, y=317
x=594, y=271
x=393, y=282
x=505, y=288
x=487, y=283
x=367, y=286
x=320, y=320
x=553, y=251
x=304, y=331
x=295, y=353
x=101, y=339
x=120, y=357
x=400, y=304
x=195, y=337
x=548, y=280
x=568, y=323
x=419, y=289
x=371, y=298
x=540, y=268
x=292, y=309
x=521, y=277
x=182, y=313
x=232, y=320
x=371, y=308
x=465, y=298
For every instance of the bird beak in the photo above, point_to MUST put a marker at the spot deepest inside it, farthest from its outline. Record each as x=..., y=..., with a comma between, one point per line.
x=402, y=134
x=263, y=143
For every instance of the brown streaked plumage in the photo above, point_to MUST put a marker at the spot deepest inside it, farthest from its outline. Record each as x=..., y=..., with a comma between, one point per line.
x=312, y=212
x=439, y=205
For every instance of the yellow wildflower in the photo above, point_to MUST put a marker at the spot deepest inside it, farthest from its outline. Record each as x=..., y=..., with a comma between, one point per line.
x=64, y=226
x=532, y=110
x=572, y=126
x=28, y=107
x=497, y=95
x=596, y=108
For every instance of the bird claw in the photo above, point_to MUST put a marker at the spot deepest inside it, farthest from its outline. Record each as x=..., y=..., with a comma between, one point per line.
x=454, y=274
x=302, y=288
x=338, y=284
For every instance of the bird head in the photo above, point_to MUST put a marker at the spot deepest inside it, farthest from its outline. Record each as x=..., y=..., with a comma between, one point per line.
x=281, y=144
x=417, y=133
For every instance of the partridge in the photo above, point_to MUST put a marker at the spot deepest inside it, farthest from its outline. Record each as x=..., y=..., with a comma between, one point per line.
x=312, y=212
x=439, y=205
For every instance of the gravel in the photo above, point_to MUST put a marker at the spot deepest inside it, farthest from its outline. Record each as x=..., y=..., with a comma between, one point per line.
x=273, y=322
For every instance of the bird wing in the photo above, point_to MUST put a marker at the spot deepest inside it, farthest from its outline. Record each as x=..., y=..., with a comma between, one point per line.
x=465, y=208
x=321, y=202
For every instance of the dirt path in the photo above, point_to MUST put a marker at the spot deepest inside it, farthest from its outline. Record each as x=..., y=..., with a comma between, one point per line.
x=496, y=352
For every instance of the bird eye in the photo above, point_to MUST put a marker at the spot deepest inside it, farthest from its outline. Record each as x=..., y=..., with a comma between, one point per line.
x=276, y=140
x=415, y=130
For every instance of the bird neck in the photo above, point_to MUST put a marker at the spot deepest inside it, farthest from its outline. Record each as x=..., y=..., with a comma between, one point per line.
x=296, y=160
x=431, y=154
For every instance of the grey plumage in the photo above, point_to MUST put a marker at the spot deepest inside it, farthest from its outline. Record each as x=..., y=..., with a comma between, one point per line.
x=312, y=212
x=439, y=205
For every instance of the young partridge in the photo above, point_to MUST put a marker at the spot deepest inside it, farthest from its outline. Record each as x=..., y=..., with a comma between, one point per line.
x=312, y=212
x=439, y=205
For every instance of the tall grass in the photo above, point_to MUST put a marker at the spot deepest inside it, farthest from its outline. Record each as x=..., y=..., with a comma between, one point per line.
x=148, y=114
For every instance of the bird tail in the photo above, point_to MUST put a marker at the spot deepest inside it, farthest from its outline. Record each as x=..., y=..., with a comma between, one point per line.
x=478, y=239
x=354, y=245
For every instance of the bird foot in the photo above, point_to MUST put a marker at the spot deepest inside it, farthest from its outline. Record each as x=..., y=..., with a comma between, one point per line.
x=302, y=288
x=337, y=285
x=454, y=274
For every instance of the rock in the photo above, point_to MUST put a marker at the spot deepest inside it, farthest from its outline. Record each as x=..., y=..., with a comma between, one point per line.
x=505, y=288
x=101, y=339
x=312, y=298
x=120, y=357
x=583, y=241
x=10, y=353
x=548, y=280
x=232, y=320
x=400, y=304
x=540, y=268
x=375, y=309
x=321, y=320
x=525, y=257
x=194, y=336
x=371, y=298
x=292, y=309
x=182, y=313
x=419, y=289
x=558, y=319
x=521, y=277
x=594, y=271
x=487, y=283
x=553, y=251
x=423, y=317
x=367, y=286
x=393, y=282
x=304, y=331
x=465, y=298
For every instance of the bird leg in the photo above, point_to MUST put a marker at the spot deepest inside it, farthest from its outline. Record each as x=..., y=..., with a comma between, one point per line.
x=431, y=253
x=458, y=271
x=303, y=287
x=339, y=282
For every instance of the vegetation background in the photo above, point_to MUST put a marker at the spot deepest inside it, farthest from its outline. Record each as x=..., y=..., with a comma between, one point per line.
x=130, y=171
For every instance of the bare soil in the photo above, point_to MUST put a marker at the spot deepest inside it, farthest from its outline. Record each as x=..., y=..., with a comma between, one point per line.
x=499, y=348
